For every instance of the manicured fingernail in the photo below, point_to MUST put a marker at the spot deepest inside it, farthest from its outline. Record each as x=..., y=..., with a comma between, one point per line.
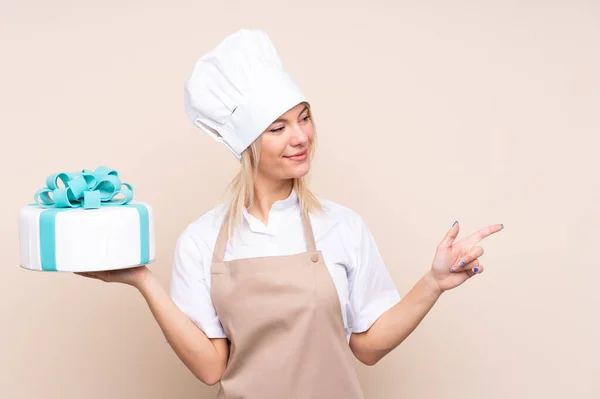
x=452, y=269
x=454, y=223
x=461, y=263
x=502, y=225
x=475, y=269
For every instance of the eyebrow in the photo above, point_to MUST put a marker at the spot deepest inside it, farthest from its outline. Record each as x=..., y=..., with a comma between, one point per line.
x=285, y=120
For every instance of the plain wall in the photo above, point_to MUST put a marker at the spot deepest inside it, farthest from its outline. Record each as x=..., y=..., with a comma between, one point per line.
x=427, y=112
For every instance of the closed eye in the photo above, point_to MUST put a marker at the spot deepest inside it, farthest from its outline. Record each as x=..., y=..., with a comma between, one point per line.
x=279, y=129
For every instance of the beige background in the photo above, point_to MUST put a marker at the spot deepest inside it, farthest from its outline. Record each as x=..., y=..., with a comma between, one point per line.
x=427, y=112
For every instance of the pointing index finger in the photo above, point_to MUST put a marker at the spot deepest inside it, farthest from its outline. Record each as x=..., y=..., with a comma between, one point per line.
x=481, y=234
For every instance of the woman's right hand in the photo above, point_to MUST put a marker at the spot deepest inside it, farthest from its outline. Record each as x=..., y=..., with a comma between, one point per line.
x=134, y=276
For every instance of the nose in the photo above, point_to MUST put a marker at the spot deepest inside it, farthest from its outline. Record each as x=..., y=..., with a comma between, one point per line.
x=298, y=137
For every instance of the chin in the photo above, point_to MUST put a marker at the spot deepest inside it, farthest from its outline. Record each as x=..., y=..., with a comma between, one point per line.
x=295, y=172
x=300, y=171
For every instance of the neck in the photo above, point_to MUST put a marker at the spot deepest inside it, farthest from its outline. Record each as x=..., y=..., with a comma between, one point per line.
x=266, y=193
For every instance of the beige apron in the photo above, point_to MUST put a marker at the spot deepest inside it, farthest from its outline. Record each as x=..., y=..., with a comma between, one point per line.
x=282, y=316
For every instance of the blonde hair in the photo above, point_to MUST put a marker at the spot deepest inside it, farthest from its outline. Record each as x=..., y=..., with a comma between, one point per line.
x=240, y=191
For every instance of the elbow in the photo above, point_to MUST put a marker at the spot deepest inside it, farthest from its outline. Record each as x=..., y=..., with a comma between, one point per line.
x=369, y=360
x=212, y=380
x=209, y=379
x=364, y=351
x=209, y=375
x=210, y=370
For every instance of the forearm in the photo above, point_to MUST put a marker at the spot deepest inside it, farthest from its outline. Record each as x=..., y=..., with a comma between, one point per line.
x=192, y=346
x=396, y=324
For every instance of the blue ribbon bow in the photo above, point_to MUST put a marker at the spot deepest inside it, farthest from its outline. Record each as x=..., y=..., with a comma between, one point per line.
x=86, y=189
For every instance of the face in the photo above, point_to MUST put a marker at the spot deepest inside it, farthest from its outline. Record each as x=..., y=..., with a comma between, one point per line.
x=286, y=144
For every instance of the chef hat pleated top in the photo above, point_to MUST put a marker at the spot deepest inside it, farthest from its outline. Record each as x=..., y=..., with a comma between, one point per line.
x=239, y=88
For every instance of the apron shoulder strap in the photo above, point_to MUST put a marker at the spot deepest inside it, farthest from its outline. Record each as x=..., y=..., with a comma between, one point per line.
x=222, y=238
x=308, y=232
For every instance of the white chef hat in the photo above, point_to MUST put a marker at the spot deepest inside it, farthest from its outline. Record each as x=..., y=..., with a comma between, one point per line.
x=239, y=88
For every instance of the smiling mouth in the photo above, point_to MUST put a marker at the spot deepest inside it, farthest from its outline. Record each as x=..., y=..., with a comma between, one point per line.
x=298, y=155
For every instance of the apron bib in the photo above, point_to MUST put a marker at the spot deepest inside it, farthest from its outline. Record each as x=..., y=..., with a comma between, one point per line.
x=283, y=319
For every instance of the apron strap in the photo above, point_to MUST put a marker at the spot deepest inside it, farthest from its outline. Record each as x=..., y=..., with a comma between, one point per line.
x=308, y=232
x=221, y=245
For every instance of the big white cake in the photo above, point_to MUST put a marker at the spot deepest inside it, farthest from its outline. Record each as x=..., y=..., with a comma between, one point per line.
x=85, y=226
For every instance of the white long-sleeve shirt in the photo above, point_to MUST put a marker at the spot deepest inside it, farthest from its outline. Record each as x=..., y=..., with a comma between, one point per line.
x=363, y=283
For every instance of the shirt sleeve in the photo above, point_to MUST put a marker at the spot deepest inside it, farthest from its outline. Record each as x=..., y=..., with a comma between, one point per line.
x=189, y=289
x=371, y=288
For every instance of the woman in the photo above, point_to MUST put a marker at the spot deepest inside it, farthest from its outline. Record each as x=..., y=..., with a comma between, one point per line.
x=275, y=290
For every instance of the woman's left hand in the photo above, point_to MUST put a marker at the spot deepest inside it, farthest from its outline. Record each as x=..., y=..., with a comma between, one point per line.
x=454, y=263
